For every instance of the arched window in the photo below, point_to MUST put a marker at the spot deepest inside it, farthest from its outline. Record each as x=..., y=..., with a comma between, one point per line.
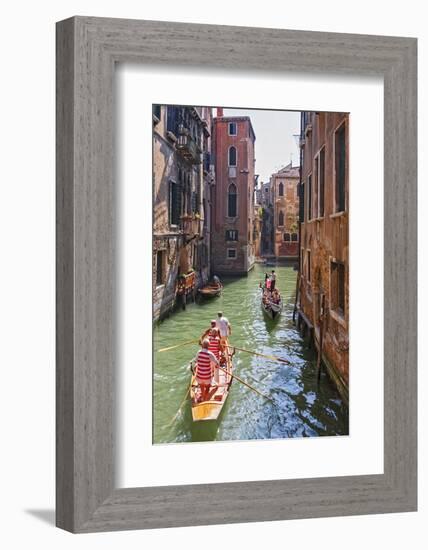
x=232, y=156
x=294, y=237
x=281, y=218
x=281, y=189
x=231, y=201
x=287, y=237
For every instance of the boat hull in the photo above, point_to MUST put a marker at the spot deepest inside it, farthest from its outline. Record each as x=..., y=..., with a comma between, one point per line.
x=210, y=291
x=273, y=312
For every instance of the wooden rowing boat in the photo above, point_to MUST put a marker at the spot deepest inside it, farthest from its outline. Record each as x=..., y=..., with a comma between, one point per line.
x=211, y=408
x=271, y=309
x=210, y=290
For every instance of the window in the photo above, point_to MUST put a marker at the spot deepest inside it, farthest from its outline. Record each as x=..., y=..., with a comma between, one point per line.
x=287, y=237
x=231, y=201
x=281, y=218
x=302, y=202
x=309, y=197
x=321, y=182
x=340, y=168
x=231, y=253
x=232, y=129
x=232, y=156
x=160, y=267
x=231, y=235
x=156, y=110
x=174, y=203
x=294, y=237
x=281, y=189
x=337, y=287
x=308, y=266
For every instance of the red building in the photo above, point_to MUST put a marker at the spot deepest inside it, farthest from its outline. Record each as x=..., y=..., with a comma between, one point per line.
x=232, y=239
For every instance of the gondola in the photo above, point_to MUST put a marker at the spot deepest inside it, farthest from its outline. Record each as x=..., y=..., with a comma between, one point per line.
x=211, y=408
x=271, y=309
x=210, y=290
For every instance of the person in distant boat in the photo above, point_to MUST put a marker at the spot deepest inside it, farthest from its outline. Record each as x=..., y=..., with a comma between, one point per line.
x=216, y=280
x=272, y=280
x=224, y=327
x=205, y=360
x=275, y=296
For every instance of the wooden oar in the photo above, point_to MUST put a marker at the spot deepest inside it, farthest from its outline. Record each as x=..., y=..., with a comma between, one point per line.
x=263, y=355
x=174, y=418
x=246, y=384
x=178, y=345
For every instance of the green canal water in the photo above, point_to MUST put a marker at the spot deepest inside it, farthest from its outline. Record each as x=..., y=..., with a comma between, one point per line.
x=302, y=407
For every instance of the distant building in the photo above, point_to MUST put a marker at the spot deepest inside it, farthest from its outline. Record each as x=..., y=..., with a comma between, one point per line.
x=324, y=254
x=232, y=246
x=284, y=185
x=181, y=179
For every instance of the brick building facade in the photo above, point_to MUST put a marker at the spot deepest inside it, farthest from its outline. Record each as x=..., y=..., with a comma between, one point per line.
x=324, y=254
x=232, y=243
x=284, y=185
x=182, y=177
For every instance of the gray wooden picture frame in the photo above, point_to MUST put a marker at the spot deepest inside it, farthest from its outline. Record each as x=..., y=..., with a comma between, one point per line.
x=87, y=50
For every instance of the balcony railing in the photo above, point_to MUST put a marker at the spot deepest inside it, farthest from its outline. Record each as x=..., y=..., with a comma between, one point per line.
x=191, y=225
x=188, y=147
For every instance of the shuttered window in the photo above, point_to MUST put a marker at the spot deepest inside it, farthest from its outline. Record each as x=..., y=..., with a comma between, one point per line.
x=231, y=201
x=340, y=168
x=174, y=203
x=232, y=156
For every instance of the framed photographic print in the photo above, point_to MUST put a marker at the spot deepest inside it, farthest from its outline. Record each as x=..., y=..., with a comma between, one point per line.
x=236, y=274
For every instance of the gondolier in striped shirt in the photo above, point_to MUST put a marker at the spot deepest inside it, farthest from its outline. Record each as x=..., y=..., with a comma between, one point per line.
x=216, y=348
x=205, y=364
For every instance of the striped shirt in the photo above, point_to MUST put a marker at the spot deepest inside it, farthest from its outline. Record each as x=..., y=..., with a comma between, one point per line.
x=203, y=365
x=214, y=346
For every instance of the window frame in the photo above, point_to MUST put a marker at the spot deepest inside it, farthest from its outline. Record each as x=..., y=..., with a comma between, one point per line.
x=236, y=156
x=229, y=124
x=231, y=257
x=236, y=200
x=336, y=313
x=335, y=211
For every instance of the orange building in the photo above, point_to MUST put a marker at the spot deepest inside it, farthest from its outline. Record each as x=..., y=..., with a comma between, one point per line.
x=323, y=299
x=284, y=185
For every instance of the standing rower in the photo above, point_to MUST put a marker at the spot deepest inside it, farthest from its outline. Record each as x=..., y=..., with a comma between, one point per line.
x=224, y=327
x=205, y=361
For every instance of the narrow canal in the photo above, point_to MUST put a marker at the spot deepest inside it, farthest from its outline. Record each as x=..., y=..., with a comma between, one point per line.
x=302, y=407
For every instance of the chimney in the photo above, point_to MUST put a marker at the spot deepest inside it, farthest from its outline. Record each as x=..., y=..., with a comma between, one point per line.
x=219, y=111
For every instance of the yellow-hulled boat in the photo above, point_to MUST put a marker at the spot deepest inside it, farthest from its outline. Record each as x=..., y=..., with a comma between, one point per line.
x=211, y=409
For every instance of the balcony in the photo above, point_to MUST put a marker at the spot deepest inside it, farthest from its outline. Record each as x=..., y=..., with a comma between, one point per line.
x=191, y=226
x=188, y=147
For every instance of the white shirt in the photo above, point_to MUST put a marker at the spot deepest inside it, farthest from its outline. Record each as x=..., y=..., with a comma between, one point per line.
x=222, y=324
x=273, y=277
